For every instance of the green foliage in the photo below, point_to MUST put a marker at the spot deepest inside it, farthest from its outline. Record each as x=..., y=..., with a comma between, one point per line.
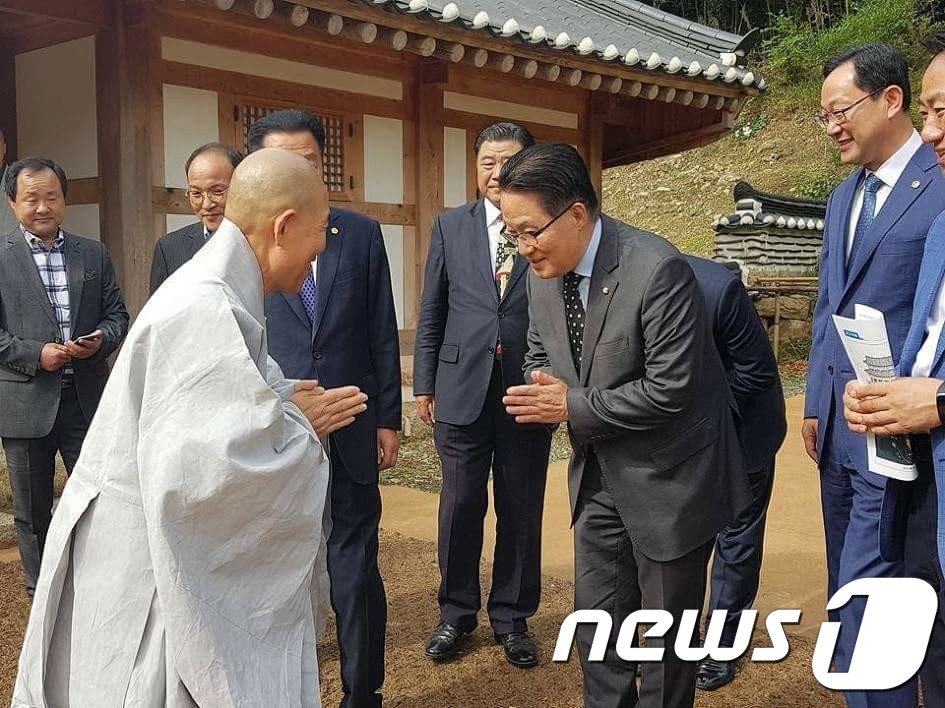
x=750, y=127
x=818, y=185
x=796, y=50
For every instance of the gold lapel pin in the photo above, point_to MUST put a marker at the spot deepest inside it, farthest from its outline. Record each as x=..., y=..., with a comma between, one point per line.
x=916, y=184
x=605, y=290
x=334, y=230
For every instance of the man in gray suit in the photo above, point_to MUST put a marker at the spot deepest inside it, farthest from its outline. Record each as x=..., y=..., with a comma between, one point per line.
x=209, y=169
x=7, y=217
x=61, y=315
x=621, y=350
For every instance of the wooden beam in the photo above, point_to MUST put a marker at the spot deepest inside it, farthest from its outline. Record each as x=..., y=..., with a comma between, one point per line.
x=680, y=141
x=171, y=200
x=44, y=33
x=263, y=88
x=477, y=121
x=85, y=191
x=595, y=146
x=413, y=257
x=98, y=13
x=124, y=86
x=8, y=104
x=429, y=191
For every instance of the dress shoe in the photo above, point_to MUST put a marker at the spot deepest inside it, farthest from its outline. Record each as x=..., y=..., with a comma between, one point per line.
x=444, y=641
x=520, y=649
x=712, y=674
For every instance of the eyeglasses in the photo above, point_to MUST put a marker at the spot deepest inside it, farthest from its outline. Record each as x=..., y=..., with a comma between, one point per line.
x=530, y=238
x=839, y=116
x=215, y=195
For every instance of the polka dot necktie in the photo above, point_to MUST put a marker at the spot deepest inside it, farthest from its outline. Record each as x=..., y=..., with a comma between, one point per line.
x=574, y=314
x=308, y=296
x=504, y=261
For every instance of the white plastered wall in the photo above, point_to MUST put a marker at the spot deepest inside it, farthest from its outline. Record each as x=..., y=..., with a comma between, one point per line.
x=454, y=167
x=190, y=120
x=384, y=183
x=55, y=106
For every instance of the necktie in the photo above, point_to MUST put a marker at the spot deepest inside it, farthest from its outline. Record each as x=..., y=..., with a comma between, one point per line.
x=574, y=314
x=504, y=260
x=307, y=294
x=867, y=214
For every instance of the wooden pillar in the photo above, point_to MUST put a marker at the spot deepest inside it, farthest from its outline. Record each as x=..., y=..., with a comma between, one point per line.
x=595, y=145
x=125, y=137
x=8, y=104
x=429, y=156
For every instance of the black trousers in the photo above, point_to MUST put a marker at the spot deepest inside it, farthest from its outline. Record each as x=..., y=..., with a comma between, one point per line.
x=610, y=574
x=736, y=565
x=357, y=590
x=32, y=466
x=921, y=561
x=518, y=457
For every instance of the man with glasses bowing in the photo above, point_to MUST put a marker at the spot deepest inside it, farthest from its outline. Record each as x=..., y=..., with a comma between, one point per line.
x=876, y=225
x=470, y=346
x=620, y=349
x=208, y=169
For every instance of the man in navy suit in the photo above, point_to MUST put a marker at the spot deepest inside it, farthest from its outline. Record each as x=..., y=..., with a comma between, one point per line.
x=471, y=344
x=916, y=404
x=876, y=225
x=752, y=373
x=341, y=329
x=208, y=169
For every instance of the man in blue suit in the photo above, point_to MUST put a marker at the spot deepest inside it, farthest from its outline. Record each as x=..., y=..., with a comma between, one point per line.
x=341, y=329
x=752, y=374
x=917, y=405
x=876, y=225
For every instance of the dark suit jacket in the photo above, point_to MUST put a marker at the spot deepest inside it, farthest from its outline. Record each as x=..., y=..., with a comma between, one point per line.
x=173, y=250
x=461, y=318
x=883, y=276
x=354, y=339
x=746, y=354
x=30, y=395
x=651, y=400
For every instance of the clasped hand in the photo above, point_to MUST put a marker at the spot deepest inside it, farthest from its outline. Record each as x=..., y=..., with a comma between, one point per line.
x=330, y=409
x=905, y=405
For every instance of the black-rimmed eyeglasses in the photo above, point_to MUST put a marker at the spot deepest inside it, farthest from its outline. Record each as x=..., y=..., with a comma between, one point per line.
x=530, y=238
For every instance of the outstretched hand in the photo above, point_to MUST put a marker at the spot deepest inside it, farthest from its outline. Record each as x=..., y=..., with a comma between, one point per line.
x=544, y=401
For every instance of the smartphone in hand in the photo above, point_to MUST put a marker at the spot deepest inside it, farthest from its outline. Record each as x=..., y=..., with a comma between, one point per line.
x=91, y=337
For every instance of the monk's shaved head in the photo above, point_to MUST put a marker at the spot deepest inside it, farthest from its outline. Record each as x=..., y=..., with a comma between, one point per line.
x=280, y=202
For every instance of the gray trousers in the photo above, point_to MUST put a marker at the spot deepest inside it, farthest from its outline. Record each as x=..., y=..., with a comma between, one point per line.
x=32, y=466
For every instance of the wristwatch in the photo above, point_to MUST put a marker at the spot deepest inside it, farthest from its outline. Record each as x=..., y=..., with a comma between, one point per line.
x=940, y=403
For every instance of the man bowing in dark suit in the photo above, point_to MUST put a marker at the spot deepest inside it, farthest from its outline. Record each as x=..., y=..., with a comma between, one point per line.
x=341, y=329
x=620, y=348
x=209, y=169
x=470, y=347
x=753, y=378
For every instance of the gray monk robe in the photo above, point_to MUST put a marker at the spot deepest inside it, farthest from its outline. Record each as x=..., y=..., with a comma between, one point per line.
x=180, y=562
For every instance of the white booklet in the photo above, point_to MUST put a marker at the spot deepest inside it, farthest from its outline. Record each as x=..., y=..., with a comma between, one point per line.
x=867, y=345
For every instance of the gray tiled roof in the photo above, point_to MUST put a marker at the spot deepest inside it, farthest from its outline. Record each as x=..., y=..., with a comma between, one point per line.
x=613, y=31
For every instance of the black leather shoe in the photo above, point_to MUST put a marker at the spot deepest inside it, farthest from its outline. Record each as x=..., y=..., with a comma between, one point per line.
x=712, y=674
x=444, y=641
x=520, y=649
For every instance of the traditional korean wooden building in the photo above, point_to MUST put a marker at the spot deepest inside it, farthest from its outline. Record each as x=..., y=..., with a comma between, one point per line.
x=120, y=92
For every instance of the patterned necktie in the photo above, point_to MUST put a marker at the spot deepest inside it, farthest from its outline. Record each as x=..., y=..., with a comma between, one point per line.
x=867, y=214
x=504, y=261
x=574, y=314
x=308, y=295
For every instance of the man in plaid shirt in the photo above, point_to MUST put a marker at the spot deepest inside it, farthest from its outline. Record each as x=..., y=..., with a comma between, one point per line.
x=61, y=315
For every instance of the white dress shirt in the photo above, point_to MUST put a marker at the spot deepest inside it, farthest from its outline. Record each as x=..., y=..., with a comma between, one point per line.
x=585, y=266
x=888, y=173
x=933, y=331
x=494, y=226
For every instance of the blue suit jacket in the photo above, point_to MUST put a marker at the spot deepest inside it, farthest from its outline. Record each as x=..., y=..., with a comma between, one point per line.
x=749, y=362
x=930, y=278
x=353, y=340
x=883, y=275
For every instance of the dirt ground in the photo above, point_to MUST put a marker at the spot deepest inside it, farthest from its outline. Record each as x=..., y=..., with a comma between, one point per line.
x=481, y=678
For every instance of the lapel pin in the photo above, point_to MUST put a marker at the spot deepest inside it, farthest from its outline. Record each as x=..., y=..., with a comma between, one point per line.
x=916, y=184
x=605, y=290
x=334, y=230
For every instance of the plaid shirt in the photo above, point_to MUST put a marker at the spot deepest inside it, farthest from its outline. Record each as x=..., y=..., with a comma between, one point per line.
x=52, y=270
